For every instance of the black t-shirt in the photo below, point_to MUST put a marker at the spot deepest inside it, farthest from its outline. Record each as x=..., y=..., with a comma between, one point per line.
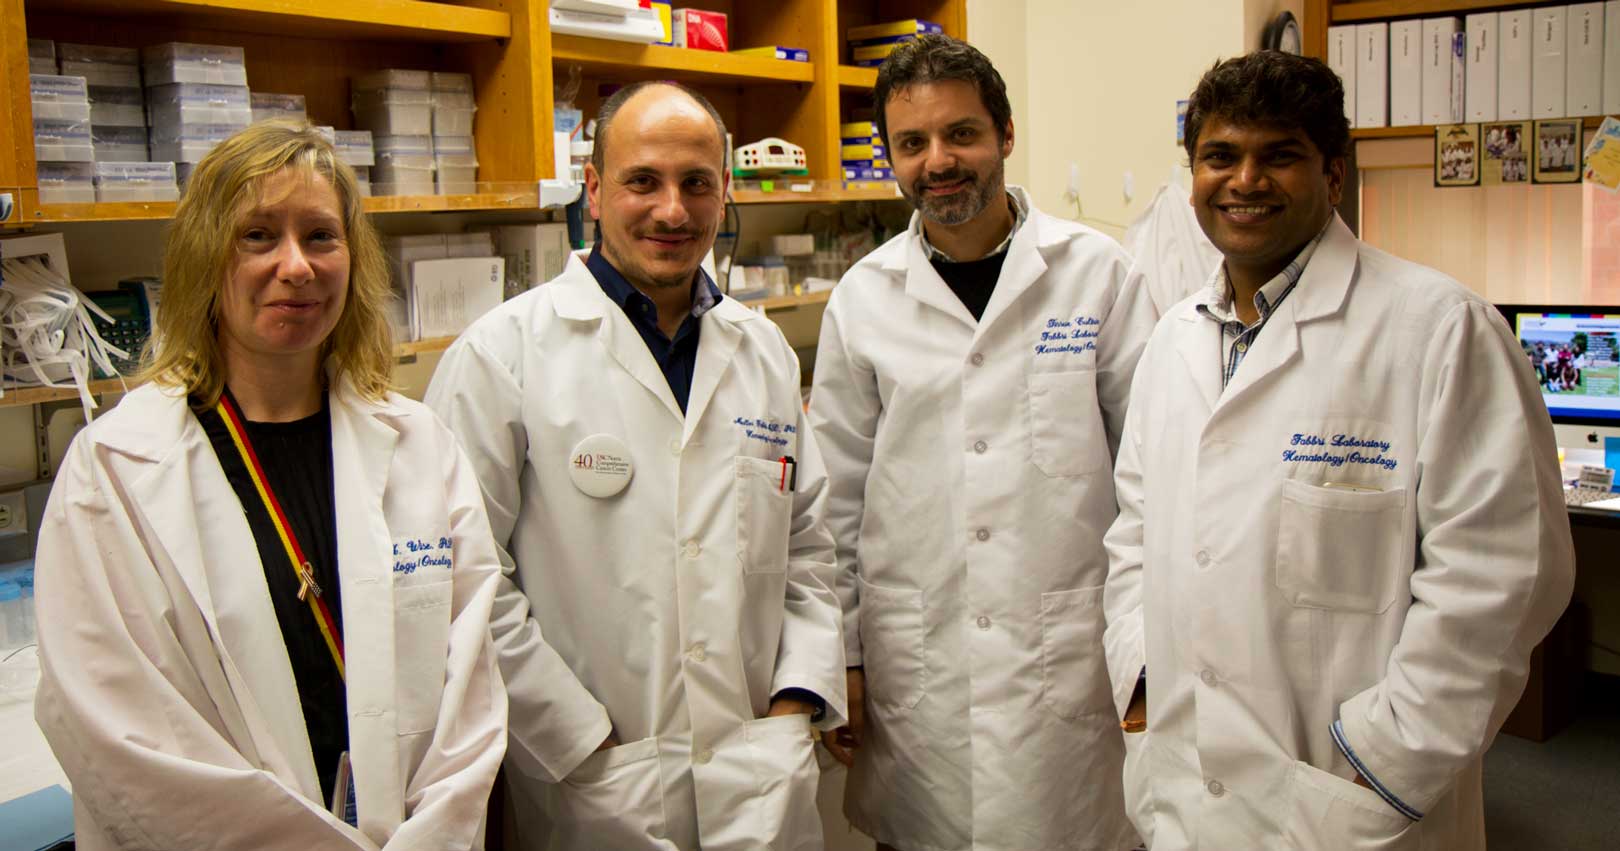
x=973, y=281
x=297, y=462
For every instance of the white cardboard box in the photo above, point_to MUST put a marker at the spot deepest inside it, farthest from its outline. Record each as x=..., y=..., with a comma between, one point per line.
x=1514, y=43
x=1547, y=62
x=1583, y=89
x=1342, y=59
x=1372, y=75
x=1480, y=87
x=534, y=254
x=448, y=295
x=1611, y=58
x=1437, y=33
x=1406, y=73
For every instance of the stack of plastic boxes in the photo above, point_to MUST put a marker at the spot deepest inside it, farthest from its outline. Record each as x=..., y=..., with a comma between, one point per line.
x=66, y=158
x=354, y=147
x=454, y=163
x=196, y=97
x=862, y=154
x=41, y=56
x=396, y=106
x=274, y=107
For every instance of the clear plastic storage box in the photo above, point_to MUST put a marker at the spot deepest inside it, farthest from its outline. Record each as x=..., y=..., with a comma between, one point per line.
x=394, y=103
x=188, y=143
x=178, y=62
x=453, y=113
x=59, y=97
x=41, y=56
x=115, y=144
x=182, y=104
x=136, y=182
x=62, y=141
x=455, y=165
x=274, y=107
x=404, y=165
x=116, y=105
x=101, y=65
x=362, y=175
x=66, y=183
x=354, y=147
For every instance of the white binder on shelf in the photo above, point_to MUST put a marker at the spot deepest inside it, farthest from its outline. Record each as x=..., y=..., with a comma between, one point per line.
x=1342, y=59
x=1611, y=58
x=1479, y=91
x=1406, y=73
x=1583, y=87
x=1514, y=43
x=1547, y=61
x=1372, y=75
x=1437, y=33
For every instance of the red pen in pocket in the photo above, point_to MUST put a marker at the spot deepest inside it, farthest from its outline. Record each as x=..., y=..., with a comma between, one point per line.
x=790, y=474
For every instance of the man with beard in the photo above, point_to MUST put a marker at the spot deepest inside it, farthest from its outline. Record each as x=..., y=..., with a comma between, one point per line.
x=642, y=448
x=970, y=388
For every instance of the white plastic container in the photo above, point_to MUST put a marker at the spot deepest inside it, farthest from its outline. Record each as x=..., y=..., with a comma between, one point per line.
x=41, y=56
x=394, y=112
x=66, y=183
x=178, y=62
x=59, y=97
x=395, y=78
x=453, y=113
x=117, y=106
x=355, y=147
x=185, y=104
x=274, y=107
x=62, y=141
x=188, y=143
x=136, y=182
x=449, y=81
x=117, y=144
x=101, y=65
x=404, y=165
x=362, y=175
x=455, y=165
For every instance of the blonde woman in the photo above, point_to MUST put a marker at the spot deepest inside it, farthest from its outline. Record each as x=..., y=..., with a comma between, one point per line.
x=264, y=579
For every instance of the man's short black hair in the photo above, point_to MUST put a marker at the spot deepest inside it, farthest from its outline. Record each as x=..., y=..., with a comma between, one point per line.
x=936, y=58
x=610, y=109
x=1270, y=88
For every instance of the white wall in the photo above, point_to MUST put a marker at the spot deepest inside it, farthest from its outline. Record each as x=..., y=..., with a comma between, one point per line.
x=998, y=28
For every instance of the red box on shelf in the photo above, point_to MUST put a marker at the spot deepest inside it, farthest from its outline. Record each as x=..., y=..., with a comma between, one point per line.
x=701, y=30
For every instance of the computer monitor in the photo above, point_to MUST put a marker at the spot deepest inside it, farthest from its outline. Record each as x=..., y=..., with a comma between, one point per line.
x=1574, y=351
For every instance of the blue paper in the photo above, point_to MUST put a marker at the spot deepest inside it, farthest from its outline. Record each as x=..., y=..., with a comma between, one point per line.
x=1611, y=456
x=36, y=820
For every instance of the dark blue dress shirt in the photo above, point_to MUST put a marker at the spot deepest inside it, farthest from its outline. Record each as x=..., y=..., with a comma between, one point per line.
x=676, y=357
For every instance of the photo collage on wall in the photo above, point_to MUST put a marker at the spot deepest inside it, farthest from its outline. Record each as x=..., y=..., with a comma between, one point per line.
x=1507, y=153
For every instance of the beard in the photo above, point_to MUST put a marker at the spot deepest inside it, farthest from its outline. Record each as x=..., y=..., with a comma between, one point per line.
x=963, y=206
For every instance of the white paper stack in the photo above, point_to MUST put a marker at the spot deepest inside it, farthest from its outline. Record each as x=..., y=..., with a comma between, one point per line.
x=1548, y=61
x=1405, y=73
x=1479, y=91
x=1342, y=59
x=448, y=295
x=1514, y=43
x=1372, y=75
x=1583, y=90
x=1437, y=69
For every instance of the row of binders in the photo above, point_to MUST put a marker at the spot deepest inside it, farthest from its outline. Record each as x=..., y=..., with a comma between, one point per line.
x=1519, y=65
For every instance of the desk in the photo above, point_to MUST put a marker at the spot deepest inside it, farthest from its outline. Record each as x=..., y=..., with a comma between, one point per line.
x=1596, y=518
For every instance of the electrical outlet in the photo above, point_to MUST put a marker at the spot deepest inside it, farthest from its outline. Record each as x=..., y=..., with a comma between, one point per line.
x=13, y=514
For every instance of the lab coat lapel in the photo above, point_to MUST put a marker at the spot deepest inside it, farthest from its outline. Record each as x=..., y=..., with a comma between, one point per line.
x=923, y=283
x=1199, y=344
x=580, y=297
x=1025, y=264
x=194, y=512
x=363, y=444
x=721, y=336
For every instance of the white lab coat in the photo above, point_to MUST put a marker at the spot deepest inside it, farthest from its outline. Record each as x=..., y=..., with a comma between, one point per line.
x=166, y=689
x=1402, y=601
x=682, y=604
x=971, y=468
x=1170, y=249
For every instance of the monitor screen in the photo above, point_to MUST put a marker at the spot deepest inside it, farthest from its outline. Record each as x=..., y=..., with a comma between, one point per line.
x=1575, y=353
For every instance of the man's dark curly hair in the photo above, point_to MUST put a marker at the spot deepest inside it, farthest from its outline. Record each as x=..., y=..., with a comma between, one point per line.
x=936, y=58
x=1273, y=89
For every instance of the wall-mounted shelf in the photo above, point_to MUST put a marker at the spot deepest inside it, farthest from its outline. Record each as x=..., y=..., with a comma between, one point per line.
x=625, y=59
x=1376, y=10
x=1427, y=130
x=862, y=79
x=409, y=20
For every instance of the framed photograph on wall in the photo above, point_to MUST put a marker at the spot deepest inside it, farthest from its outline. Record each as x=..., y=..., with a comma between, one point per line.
x=1456, y=155
x=1507, y=148
x=1557, y=155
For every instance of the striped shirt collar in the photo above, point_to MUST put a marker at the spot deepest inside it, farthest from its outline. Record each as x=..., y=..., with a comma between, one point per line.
x=1221, y=307
x=1020, y=213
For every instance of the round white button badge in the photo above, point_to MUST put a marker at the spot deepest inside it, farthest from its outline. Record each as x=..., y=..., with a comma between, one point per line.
x=601, y=466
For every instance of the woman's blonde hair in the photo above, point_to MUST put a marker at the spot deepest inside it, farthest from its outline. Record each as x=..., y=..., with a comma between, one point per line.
x=201, y=247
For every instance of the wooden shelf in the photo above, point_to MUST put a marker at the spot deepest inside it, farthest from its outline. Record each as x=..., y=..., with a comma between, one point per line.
x=410, y=20
x=1427, y=130
x=36, y=395
x=818, y=194
x=123, y=212
x=1374, y=10
x=851, y=77
x=625, y=59
x=790, y=302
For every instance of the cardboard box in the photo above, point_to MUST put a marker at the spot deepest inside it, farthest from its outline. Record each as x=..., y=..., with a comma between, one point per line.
x=534, y=254
x=700, y=30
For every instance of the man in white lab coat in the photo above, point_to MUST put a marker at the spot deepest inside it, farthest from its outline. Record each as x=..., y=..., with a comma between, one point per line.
x=1340, y=530
x=970, y=388
x=645, y=460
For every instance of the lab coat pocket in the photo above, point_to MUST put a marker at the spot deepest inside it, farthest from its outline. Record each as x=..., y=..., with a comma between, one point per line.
x=1073, y=672
x=764, y=515
x=1341, y=549
x=1334, y=814
x=421, y=646
x=1065, y=428
x=893, y=645
x=783, y=759
x=614, y=799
